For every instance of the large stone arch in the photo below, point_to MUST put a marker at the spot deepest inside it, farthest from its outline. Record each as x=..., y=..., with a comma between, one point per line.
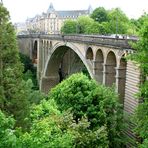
x=110, y=69
x=98, y=65
x=53, y=63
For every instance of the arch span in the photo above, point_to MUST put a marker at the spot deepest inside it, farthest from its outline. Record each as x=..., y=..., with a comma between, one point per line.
x=63, y=60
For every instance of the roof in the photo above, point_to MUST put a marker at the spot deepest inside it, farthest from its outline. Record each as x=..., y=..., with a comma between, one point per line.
x=62, y=14
x=51, y=8
x=72, y=13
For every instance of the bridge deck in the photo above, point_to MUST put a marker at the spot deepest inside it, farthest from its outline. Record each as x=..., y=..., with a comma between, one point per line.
x=123, y=42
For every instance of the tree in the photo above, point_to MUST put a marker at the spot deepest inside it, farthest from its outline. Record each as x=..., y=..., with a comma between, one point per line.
x=92, y=28
x=98, y=103
x=141, y=20
x=100, y=15
x=53, y=128
x=12, y=87
x=118, y=21
x=133, y=27
x=69, y=27
x=84, y=24
x=8, y=138
x=29, y=70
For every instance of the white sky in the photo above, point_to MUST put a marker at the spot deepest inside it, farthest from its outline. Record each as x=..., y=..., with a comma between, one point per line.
x=21, y=9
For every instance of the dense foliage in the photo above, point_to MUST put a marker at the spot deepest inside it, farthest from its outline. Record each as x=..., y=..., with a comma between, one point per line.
x=100, y=15
x=8, y=138
x=29, y=70
x=69, y=27
x=105, y=22
x=52, y=128
x=16, y=93
x=83, y=25
x=78, y=112
x=98, y=103
x=118, y=22
x=12, y=87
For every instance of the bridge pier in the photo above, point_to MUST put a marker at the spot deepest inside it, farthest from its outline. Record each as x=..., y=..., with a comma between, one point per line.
x=98, y=71
x=46, y=83
x=110, y=74
x=120, y=82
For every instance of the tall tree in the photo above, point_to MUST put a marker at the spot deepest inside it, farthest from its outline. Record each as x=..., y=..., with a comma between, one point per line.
x=118, y=21
x=87, y=25
x=141, y=20
x=100, y=15
x=12, y=88
x=69, y=27
x=99, y=104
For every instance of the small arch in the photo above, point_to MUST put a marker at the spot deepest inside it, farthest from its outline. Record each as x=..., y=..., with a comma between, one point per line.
x=98, y=65
x=89, y=53
x=122, y=78
x=34, y=52
x=110, y=69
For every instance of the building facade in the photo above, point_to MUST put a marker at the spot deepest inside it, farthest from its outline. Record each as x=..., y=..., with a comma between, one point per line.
x=52, y=21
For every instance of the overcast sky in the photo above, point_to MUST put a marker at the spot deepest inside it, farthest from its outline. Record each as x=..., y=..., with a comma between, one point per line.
x=20, y=10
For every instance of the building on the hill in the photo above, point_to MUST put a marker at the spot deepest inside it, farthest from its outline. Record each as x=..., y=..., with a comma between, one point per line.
x=52, y=21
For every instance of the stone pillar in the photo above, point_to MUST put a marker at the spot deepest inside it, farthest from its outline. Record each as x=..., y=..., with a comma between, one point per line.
x=45, y=52
x=110, y=74
x=104, y=72
x=43, y=55
x=39, y=59
x=98, y=70
x=47, y=49
x=120, y=82
x=133, y=76
x=48, y=82
x=132, y=87
x=31, y=48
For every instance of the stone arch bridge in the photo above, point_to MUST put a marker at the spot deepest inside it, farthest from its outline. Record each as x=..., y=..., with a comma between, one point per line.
x=58, y=56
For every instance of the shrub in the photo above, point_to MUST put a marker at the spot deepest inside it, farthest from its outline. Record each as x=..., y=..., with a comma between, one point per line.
x=97, y=102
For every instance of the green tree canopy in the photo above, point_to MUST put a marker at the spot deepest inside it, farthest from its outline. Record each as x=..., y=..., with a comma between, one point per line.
x=84, y=24
x=8, y=138
x=141, y=20
x=100, y=15
x=98, y=103
x=52, y=128
x=13, y=99
x=118, y=21
x=69, y=27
